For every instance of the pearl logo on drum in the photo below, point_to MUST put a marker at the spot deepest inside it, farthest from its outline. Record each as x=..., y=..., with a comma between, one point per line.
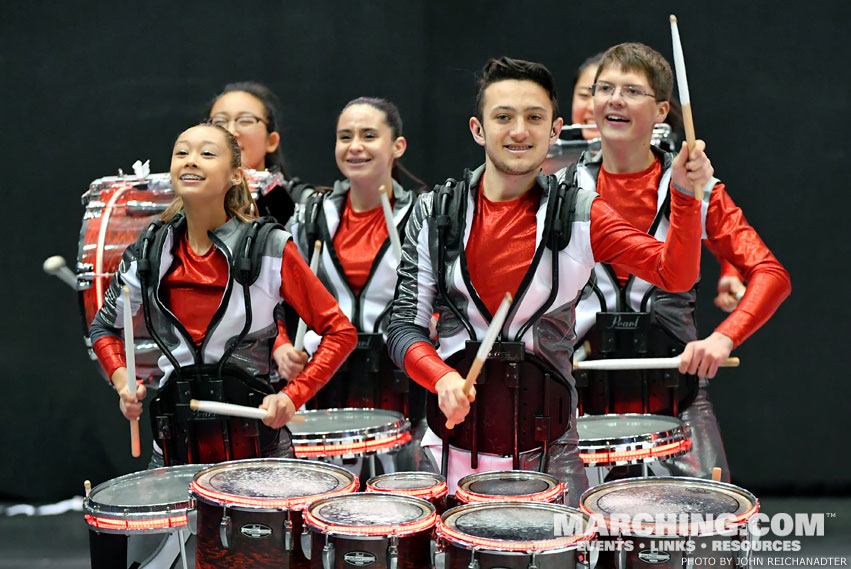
x=256, y=531
x=654, y=557
x=359, y=558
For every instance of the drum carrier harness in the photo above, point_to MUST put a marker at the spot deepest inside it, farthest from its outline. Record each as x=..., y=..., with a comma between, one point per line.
x=368, y=378
x=513, y=382
x=187, y=436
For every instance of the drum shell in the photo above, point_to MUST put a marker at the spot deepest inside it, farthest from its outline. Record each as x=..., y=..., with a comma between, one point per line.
x=627, y=441
x=655, y=549
x=413, y=550
x=322, y=436
x=245, y=551
x=456, y=556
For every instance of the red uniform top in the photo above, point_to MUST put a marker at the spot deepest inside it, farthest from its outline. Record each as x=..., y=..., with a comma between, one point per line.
x=193, y=290
x=357, y=241
x=611, y=238
x=729, y=237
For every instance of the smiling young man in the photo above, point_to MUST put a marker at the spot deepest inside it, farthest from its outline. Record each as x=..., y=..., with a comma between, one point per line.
x=507, y=228
x=631, y=93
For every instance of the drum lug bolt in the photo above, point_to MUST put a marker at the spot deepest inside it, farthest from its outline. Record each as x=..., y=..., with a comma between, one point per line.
x=306, y=543
x=393, y=553
x=328, y=556
x=474, y=563
x=288, y=535
x=532, y=563
x=225, y=529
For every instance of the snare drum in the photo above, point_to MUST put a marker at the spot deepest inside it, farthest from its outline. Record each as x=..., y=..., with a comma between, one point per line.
x=617, y=440
x=349, y=433
x=672, y=522
x=118, y=208
x=514, y=536
x=249, y=511
x=375, y=530
x=426, y=485
x=146, y=502
x=510, y=486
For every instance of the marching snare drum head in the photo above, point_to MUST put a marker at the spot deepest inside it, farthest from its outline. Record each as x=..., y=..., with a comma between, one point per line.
x=147, y=490
x=507, y=484
x=513, y=526
x=384, y=513
x=405, y=481
x=623, y=427
x=666, y=496
x=342, y=423
x=271, y=483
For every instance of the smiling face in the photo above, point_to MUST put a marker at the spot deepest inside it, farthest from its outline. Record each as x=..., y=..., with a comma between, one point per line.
x=620, y=120
x=202, y=165
x=517, y=126
x=255, y=141
x=366, y=149
x=582, y=106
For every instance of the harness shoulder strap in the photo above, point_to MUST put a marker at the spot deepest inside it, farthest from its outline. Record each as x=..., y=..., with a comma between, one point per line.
x=247, y=255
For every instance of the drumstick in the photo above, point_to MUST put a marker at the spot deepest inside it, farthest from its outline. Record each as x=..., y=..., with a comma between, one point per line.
x=130, y=354
x=716, y=474
x=685, y=100
x=641, y=363
x=302, y=325
x=388, y=219
x=87, y=486
x=56, y=265
x=485, y=347
x=219, y=408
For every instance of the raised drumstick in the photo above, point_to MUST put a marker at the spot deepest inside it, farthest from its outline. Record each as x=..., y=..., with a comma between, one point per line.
x=388, y=219
x=220, y=408
x=685, y=100
x=485, y=347
x=640, y=363
x=298, y=344
x=56, y=266
x=130, y=354
x=716, y=474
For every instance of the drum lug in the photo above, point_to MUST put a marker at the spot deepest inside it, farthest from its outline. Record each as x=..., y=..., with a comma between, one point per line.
x=590, y=556
x=393, y=553
x=306, y=543
x=288, y=535
x=474, y=563
x=328, y=556
x=225, y=529
x=439, y=559
x=532, y=563
x=620, y=557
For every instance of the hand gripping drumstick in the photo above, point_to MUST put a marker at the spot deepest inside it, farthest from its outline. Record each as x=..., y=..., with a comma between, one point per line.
x=388, y=219
x=298, y=344
x=485, y=347
x=640, y=363
x=56, y=266
x=219, y=408
x=130, y=355
x=685, y=101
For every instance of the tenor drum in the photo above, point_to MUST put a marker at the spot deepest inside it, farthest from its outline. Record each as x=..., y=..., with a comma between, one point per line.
x=672, y=522
x=117, y=209
x=426, y=485
x=146, y=502
x=514, y=535
x=617, y=440
x=249, y=512
x=347, y=433
x=510, y=486
x=379, y=531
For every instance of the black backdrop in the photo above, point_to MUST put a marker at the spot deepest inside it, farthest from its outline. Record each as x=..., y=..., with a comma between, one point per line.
x=88, y=89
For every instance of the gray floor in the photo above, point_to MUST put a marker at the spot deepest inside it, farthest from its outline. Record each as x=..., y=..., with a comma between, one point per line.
x=61, y=541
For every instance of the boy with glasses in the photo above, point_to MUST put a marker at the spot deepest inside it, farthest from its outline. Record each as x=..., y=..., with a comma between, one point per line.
x=507, y=228
x=632, y=92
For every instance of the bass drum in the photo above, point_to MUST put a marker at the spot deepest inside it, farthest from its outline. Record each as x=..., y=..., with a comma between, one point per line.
x=117, y=209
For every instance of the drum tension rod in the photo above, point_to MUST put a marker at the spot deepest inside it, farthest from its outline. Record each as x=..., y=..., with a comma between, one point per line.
x=328, y=553
x=393, y=553
x=474, y=563
x=288, y=533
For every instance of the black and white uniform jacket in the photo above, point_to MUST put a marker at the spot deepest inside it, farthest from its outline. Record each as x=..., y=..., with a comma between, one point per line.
x=253, y=354
x=673, y=311
x=368, y=311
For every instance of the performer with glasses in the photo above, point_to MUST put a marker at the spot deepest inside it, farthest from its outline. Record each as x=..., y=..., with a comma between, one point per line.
x=507, y=228
x=632, y=92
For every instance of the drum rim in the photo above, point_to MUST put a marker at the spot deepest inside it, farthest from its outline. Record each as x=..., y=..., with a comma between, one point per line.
x=597, y=451
x=500, y=546
x=556, y=486
x=399, y=424
x=234, y=501
x=749, y=501
x=427, y=522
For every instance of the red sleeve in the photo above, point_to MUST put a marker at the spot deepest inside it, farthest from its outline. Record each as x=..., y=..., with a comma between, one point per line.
x=424, y=366
x=308, y=296
x=736, y=241
x=673, y=264
x=283, y=337
x=727, y=268
x=110, y=353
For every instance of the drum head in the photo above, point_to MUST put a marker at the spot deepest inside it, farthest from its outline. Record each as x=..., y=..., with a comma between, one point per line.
x=148, y=490
x=341, y=423
x=405, y=481
x=271, y=483
x=508, y=485
x=601, y=428
x=371, y=514
x=523, y=526
x=668, y=496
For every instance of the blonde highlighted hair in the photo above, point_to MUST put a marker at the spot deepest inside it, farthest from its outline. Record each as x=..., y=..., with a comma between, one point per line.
x=239, y=202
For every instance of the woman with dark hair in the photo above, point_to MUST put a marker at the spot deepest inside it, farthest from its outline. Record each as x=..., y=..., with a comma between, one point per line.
x=357, y=263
